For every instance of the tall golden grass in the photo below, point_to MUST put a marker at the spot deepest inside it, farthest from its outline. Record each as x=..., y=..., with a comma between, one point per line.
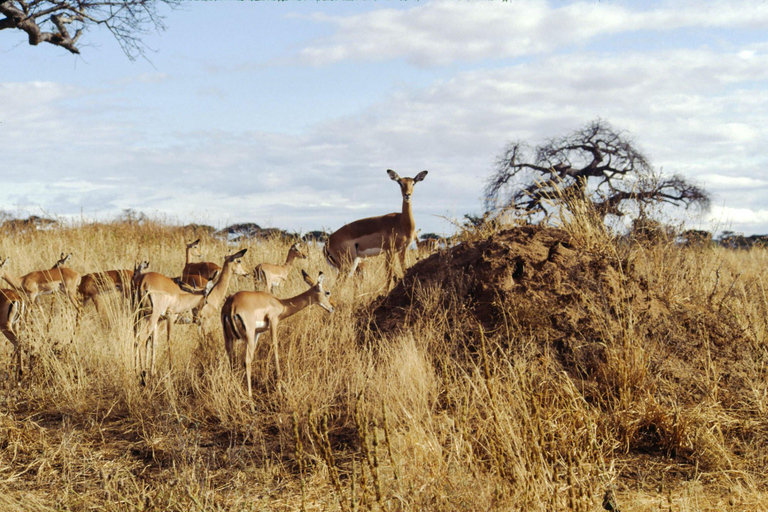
x=367, y=421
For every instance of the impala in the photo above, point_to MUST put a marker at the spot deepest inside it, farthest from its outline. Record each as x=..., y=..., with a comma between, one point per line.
x=44, y=282
x=233, y=264
x=391, y=233
x=427, y=246
x=11, y=312
x=62, y=260
x=161, y=298
x=246, y=315
x=274, y=275
x=196, y=275
x=94, y=286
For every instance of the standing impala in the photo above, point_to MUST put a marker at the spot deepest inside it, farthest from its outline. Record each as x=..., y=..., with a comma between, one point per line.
x=391, y=233
x=161, y=298
x=11, y=312
x=197, y=274
x=246, y=315
x=232, y=265
x=274, y=275
x=44, y=282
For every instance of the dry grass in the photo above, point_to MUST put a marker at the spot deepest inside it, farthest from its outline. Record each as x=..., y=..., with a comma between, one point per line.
x=408, y=421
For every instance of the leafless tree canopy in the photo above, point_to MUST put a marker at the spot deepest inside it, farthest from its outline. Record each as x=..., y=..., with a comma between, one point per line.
x=597, y=162
x=61, y=23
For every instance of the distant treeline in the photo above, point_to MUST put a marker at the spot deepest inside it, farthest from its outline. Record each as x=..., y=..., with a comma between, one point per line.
x=251, y=230
x=247, y=230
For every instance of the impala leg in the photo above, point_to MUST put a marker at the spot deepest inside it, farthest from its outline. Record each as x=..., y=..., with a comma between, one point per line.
x=273, y=331
x=402, y=259
x=250, y=350
x=136, y=355
x=229, y=342
x=16, y=354
x=355, y=263
x=154, y=320
x=169, y=320
x=97, y=303
x=390, y=268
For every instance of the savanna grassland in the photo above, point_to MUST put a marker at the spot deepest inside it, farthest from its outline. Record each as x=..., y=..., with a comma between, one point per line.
x=526, y=368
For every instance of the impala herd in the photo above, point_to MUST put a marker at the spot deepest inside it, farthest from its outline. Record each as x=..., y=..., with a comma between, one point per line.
x=202, y=288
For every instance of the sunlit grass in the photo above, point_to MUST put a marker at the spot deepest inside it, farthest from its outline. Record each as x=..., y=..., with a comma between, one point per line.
x=397, y=421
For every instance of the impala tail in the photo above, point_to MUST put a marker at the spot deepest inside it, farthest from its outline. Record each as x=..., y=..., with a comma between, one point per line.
x=15, y=314
x=330, y=259
x=258, y=274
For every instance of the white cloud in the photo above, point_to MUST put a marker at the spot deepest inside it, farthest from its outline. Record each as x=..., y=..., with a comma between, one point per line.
x=701, y=112
x=739, y=219
x=721, y=182
x=438, y=33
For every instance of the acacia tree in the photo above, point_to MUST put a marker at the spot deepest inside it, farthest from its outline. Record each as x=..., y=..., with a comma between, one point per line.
x=61, y=23
x=597, y=163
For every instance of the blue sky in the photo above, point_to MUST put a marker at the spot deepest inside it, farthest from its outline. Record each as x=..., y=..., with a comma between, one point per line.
x=287, y=114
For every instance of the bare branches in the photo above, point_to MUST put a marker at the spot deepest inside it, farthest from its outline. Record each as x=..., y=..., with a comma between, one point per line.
x=51, y=21
x=597, y=163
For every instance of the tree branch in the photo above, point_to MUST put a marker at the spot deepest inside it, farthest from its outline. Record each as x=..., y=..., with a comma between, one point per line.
x=48, y=20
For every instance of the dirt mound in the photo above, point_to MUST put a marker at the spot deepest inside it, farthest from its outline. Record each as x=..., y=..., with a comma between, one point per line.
x=534, y=282
x=529, y=268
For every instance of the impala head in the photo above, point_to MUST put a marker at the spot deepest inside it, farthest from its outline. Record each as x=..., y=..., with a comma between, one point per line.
x=139, y=268
x=62, y=260
x=406, y=184
x=320, y=295
x=236, y=262
x=296, y=250
x=193, y=249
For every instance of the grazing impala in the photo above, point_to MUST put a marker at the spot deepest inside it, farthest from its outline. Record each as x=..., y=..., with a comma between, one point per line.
x=391, y=233
x=246, y=315
x=161, y=298
x=11, y=312
x=44, y=282
x=94, y=286
x=196, y=275
x=274, y=275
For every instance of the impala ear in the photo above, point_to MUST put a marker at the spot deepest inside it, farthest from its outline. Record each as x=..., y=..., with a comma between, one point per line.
x=320, y=279
x=306, y=277
x=393, y=175
x=193, y=244
x=239, y=254
x=420, y=176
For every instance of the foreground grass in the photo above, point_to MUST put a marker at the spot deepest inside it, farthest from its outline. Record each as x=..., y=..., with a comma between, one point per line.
x=421, y=419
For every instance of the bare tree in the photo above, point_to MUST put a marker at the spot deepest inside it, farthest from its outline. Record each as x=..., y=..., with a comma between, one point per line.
x=61, y=23
x=597, y=163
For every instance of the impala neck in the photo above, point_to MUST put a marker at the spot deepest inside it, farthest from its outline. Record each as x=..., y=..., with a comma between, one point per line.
x=188, y=257
x=291, y=256
x=407, y=222
x=295, y=304
x=219, y=290
x=12, y=280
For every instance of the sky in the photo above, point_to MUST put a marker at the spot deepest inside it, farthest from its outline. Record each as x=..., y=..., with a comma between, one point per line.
x=288, y=114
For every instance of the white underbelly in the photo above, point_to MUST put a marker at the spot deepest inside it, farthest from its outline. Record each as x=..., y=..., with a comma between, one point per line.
x=260, y=326
x=372, y=251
